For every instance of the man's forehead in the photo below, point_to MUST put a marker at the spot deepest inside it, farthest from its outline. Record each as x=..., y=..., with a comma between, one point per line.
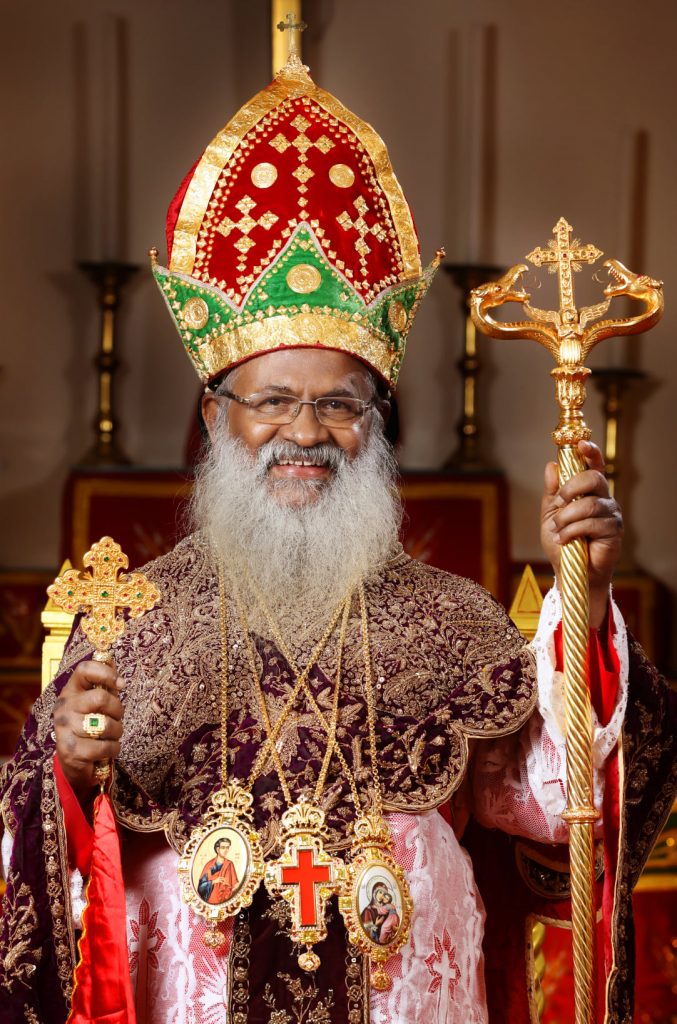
x=289, y=370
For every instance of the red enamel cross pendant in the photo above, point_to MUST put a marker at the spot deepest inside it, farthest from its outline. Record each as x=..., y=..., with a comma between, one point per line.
x=305, y=875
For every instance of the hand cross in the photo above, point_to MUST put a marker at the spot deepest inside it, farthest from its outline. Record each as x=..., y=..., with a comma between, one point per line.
x=102, y=594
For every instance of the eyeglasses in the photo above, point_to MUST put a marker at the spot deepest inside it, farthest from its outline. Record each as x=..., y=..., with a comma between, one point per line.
x=332, y=410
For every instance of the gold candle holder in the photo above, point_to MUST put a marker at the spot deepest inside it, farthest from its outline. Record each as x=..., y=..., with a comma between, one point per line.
x=569, y=334
x=109, y=277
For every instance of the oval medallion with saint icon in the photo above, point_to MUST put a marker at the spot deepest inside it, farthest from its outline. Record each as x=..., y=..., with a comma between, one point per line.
x=222, y=865
x=376, y=907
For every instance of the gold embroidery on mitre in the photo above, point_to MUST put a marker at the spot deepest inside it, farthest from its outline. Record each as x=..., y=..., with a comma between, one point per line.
x=246, y=223
x=341, y=175
x=373, y=334
x=303, y=173
x=301, y=331
x=304, y=278
x=363, y=230
x=264, y=175
x=220, y=151
x=195, y=313
x=280, y=142
x=397, y=316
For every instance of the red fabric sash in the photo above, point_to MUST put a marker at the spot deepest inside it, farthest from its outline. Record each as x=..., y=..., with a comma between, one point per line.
x=103, y=990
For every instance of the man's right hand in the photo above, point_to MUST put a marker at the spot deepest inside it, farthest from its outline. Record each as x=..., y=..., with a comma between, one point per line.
x=94, y=687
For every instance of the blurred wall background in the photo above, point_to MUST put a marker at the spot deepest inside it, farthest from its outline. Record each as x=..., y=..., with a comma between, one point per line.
x=577, y=119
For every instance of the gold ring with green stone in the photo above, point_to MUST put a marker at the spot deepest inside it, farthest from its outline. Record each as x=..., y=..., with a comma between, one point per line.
x=94, y=725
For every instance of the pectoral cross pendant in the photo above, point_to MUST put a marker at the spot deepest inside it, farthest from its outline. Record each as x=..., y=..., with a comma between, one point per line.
x=305, y=876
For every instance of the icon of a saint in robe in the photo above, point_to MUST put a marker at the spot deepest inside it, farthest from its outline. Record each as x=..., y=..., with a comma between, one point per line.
x=218, y=880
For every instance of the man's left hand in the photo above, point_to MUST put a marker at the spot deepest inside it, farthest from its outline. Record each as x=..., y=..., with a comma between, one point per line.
x=583, y=507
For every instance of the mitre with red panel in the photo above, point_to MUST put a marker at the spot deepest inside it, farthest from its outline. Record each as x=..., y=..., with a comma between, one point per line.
x=292, y=231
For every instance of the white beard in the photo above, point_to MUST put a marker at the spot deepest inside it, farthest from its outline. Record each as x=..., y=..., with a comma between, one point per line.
x=302, y=559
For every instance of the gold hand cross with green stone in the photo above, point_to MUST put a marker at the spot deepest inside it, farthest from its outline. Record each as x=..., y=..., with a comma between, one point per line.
x=102, y=594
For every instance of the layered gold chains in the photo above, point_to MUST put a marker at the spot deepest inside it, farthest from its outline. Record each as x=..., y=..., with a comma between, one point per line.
x=374, y=896
x=269, y=747
x=222, y=864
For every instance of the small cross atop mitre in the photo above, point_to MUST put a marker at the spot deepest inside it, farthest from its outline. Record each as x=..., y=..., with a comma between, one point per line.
x=294, y=64
x=103, y=595
x=295, y=28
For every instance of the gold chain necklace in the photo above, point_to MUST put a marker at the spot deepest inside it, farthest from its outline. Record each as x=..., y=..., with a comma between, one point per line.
x=302, y=683
x=373, y=894
x=375, y=903
x=304, y=874
x=269, y=747
x=378, y=931
x=222, y=864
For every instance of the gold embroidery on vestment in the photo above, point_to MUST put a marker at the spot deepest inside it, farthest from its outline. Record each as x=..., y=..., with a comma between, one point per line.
x=20, y=962
x=57, y=872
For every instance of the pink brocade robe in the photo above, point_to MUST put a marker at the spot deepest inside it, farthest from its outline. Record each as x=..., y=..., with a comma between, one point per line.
x=453, y=677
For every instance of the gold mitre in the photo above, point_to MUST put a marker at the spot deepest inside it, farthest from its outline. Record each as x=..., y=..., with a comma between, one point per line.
x=292, y=231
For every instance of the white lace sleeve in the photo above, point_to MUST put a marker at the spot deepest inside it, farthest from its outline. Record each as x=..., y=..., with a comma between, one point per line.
x=78, y=900
x=6, y=852
x=519, y=782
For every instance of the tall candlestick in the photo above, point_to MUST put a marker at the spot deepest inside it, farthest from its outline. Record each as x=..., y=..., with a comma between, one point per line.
x=633, y=220
x=113, y=192
x=476, y=194
x=468, y=455
x=109, y=278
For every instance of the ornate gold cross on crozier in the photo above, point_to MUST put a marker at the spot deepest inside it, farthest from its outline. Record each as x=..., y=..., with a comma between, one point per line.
x=564, y=257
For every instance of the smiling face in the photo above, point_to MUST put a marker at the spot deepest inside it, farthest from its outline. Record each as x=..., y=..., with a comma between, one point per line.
x=300, y=511
x=307, y=457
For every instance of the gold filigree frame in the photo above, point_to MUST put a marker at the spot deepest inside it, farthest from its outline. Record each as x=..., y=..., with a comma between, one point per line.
x=374, y=858
x=230, y=811
x=299, y=933
x=303, y=828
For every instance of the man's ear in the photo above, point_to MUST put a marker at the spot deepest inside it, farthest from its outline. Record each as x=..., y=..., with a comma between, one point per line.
x=385, y=408
x=210, y=413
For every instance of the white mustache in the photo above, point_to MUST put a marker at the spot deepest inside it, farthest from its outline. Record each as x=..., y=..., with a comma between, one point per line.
x=275, y=452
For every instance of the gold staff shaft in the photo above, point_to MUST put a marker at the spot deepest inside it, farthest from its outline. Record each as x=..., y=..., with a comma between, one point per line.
x=580, y=813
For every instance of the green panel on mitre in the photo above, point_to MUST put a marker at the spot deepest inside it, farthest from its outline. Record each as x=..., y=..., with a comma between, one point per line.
x=392, y=316
x=199, y=312
x=302, y=278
